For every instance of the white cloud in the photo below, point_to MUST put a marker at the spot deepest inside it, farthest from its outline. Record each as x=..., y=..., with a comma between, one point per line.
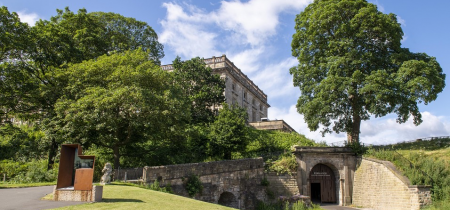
x=375, y=131
x=275, y=79
x=255, y=20
x=186, y=34
x=387, y=130
x=190, y=31
x=29, y=18
x=248, y=60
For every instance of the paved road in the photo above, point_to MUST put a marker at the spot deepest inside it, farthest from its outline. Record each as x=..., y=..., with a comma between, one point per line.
x=30, y=198
x=337, y=207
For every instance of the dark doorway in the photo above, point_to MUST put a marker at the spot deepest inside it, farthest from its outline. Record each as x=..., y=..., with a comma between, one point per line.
x=323, y=186
x=228, y=199
x=315, y=192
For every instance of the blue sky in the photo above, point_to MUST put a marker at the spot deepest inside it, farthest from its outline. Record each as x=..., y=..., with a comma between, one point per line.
x=256, y=36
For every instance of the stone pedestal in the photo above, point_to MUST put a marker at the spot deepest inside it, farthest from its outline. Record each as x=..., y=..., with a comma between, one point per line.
x=69, y=194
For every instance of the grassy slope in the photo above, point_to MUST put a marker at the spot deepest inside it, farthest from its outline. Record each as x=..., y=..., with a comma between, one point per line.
x=436, y=151
x=129, y=197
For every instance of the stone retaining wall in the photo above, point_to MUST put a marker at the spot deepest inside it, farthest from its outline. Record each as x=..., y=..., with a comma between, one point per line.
x=234, y=183
x=379, y=185
x=282, y=184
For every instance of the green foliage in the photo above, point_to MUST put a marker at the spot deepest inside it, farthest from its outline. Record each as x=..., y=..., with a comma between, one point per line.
x=156, y=187
x=357, y=147
x=352, y=66
x=265, y=182
x=28, y=172
x=286, y=163
x=118, y=100
x=126, y=33
x=37, y=58
x=203, y=88
x=268, y=143
x=229, y=132
x=193, y=185
x=22, y=143
x=437, y=171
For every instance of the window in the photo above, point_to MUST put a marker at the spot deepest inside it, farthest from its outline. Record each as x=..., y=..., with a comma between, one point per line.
x=245, y=95
x=233, y=87
x=253, y=102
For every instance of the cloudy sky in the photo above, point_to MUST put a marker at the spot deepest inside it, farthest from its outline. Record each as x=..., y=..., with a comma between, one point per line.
x=256, y=36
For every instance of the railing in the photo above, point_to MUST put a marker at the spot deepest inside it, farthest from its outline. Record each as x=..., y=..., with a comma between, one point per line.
x=252, y=87
x=124, y=174
x=342, y=143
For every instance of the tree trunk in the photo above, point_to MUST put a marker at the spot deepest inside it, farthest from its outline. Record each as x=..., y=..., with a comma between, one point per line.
x=353, y=136
x=52, y=154
x=116, y=157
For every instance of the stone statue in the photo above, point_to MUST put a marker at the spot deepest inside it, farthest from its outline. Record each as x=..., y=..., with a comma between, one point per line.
x=107, y=171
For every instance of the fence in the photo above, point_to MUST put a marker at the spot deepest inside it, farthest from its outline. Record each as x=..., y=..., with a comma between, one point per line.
x=128, y=174
x=342, y=143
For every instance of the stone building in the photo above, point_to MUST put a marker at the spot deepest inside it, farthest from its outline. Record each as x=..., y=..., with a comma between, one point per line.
x=279, y=125
x=239, y=89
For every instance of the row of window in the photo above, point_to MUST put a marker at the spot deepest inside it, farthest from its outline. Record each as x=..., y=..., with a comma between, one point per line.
x=233, y=87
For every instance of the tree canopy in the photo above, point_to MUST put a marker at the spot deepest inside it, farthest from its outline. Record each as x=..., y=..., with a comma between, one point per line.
x=203, y=88
x=352, y=66
x=119, y=100
x=34, y=58
x=229, y=132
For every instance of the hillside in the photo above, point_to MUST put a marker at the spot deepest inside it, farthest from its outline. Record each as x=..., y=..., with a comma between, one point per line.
x=131, y=197
x=424, y=162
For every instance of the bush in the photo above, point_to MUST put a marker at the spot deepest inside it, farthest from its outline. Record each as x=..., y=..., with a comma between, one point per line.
x=286, y=163
x=34, y=171
x=193, y=185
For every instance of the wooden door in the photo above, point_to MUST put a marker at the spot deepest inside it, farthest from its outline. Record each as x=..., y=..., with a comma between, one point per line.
x=324, y=175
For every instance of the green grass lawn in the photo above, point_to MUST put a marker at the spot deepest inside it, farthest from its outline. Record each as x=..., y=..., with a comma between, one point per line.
x=117, y=196
x=19, y=185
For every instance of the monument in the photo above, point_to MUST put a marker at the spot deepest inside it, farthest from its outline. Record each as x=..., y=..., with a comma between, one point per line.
x=107, y=171
x=75, y=176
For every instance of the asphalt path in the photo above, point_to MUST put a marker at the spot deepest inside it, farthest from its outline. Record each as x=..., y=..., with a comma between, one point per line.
x=337, y=207
x=30, y=198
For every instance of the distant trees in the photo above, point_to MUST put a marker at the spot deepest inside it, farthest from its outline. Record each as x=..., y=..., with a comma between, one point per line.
x=351, y=66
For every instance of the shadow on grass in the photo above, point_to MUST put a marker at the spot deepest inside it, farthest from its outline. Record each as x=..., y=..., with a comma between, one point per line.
x=117, y=200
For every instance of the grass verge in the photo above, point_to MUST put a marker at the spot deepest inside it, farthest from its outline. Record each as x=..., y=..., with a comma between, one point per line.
x=21, y=185
x=119, y=196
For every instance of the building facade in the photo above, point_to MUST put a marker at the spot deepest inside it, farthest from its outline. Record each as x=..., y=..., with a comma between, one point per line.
x=239, y=89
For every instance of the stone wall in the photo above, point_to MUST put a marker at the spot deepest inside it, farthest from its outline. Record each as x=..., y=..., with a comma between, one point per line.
x=234, y=183
x=379, y=185
x=282, y=184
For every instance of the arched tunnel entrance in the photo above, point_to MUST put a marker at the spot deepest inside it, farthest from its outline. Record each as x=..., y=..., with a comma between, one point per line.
x=323, y=186
x=228, y=199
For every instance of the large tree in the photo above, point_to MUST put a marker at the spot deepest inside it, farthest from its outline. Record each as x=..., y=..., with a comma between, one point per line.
x=352, y=66
x=33, y=57
x=229, y=132
x=119, y=100
x=203, y=88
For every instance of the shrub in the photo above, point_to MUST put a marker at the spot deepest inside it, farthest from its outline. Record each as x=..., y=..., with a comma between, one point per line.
x=286, y=163
x=193, y=185
x=34, y=171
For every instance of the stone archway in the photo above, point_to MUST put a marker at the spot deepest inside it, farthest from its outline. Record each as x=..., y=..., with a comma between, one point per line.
x=322, y=184
x=341, y=162
x=228, y=199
